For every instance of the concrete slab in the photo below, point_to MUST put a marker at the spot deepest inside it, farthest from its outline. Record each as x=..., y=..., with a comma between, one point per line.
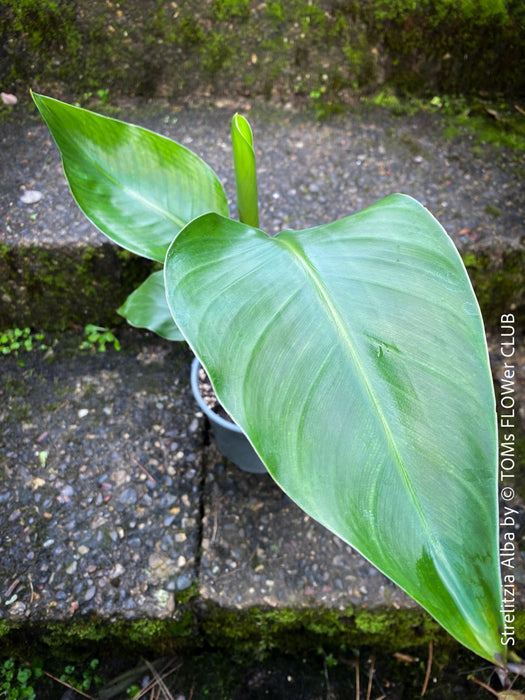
x=100, y=482
x=260, y=549
x=309, y=173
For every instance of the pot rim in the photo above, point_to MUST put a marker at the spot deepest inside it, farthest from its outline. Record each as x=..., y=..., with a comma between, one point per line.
x=212, y=416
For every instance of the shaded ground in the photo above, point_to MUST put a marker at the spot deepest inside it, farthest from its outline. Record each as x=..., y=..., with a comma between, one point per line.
x=343, y=675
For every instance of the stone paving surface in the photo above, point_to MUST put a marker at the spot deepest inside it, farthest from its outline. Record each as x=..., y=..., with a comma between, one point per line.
x=259, y=548
x=100, y=484
x=112, y=500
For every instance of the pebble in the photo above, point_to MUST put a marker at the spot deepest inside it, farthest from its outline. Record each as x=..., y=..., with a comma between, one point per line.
x=31, y=196
x=17, y=609
x=71, y=569
x=120, y=477
x=183, y=582
x=117, y=571
x=90, y=593
x=128, y=497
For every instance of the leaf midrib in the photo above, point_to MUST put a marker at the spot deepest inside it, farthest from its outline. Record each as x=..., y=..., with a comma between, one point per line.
x=133, y=194
x=299, y=256
x=297, y=252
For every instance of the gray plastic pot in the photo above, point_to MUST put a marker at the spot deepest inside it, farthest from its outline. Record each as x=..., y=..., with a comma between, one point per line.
x=230, y=439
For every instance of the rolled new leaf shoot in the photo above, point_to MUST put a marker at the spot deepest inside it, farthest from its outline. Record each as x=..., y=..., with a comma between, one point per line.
x=245, y=171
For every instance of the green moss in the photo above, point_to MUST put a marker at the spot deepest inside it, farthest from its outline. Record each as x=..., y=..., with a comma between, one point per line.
x=231, y=9
x=275, y=10
x=499, y=283
x=87, y=285
x=298, y=631
x=445, y=46
x=44, y=32
x=162, y=48
x=507, y=130
x=190, y=31
x=216, y=52
x=75, y=638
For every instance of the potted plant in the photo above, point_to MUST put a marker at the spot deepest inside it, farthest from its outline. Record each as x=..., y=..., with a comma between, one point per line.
x=352, y=355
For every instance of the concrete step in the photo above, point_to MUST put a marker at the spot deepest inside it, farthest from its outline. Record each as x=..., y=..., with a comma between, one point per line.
x=120, y=522
x=58, y=271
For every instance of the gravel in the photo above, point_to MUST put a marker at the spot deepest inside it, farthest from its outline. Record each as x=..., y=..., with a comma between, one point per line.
x=101, y=482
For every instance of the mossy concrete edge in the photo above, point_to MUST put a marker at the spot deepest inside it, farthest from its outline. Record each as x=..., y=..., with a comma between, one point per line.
x=255, y=631
x=73, y=638
x=260, y=630
x=55, y=289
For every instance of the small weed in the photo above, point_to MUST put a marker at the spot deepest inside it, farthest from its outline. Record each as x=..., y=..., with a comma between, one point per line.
x=82, y=680
x=16, y=340
x=323, y=107
x=16, y=681
x=97, y=339
x=101, y=96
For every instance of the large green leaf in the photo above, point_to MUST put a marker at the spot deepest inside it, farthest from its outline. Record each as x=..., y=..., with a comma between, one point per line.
x=147, y=307
x=353, y=356
x=137, y=187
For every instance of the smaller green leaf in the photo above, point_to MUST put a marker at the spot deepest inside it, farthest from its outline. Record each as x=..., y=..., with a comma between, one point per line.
x=137, y=187
x=147, y=307
x=245, y=173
